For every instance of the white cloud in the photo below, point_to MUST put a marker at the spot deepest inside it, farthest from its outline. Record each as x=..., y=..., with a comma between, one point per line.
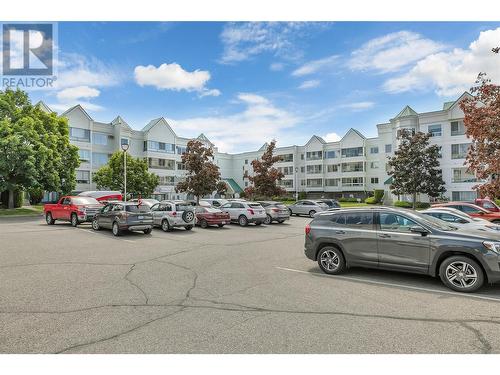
x=276, y=67
x=75, y=93
x=309, y=84
x=392, y=52
x=451, y=73
x=259, y=121
x=174, y=77
x=315, y=66
x=332, y=137
x=89, y=106
x=358, y=106
x=244, y=40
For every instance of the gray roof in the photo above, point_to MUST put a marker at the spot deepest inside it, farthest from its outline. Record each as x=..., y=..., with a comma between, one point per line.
x=407, y=111
x=151, y=124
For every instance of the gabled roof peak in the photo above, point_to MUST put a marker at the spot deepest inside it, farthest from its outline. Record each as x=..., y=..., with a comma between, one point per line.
x=79, y=107
x=406, y=111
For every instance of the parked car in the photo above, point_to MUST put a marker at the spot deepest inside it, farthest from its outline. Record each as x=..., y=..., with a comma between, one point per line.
x=307, y=207
x=103, y=195
x=74, y=209
x=403, y=240
x=216, y=202
x=123, y=216
x=460, y=213
x=487, y=204
x=206, y=216
x=244, y=212
x=472, y=210
x=460, y=221
x=148, y=202
x=173, y=214
x=275, y=211
x=331, y=203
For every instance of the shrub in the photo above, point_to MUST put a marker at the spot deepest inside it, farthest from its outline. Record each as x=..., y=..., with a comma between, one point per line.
x=18, y=198
x=243, y=195
x=348, y=199
x=497, y=201
x=378, y=194
x=422, y=205
x=371, y=200
x=36, y=195
x=403, y=204
x=302, y=195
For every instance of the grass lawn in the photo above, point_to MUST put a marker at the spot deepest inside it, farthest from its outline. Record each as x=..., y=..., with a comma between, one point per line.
x=354, y=204
x=22, y=211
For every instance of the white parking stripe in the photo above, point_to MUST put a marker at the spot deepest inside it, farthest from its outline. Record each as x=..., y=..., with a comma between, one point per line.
x=455, y=294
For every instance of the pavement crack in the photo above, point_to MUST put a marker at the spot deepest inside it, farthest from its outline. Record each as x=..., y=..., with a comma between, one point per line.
x=126, y=277
x=485, y=344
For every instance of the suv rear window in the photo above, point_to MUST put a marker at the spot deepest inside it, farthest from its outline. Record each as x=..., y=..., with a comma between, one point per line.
x=136, y=208
x=254, y=205
x=183, y=207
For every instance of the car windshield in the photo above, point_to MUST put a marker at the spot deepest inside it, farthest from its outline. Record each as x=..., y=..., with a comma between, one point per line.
x=85, y=200
x=328, y=203
x=433, y=222
x=183, y=207
x=136, y=208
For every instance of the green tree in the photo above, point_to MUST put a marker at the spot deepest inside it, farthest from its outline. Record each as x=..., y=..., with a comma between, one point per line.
x=415, y=167
x=34, y=148
x=139, y=180
x=265, y=176
x=203, y=176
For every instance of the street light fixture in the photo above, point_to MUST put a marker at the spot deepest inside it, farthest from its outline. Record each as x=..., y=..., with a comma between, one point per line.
x=125, y=148
x=295, y=183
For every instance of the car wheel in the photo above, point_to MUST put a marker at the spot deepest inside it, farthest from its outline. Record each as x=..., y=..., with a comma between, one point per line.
x=220, y=225
x=116, y=229
x=95, y=224
x=331, y=260
x=461, y=274
x=148, y=231
x=74, y=220
x=268, y=220
x=49, y=219
x=165, y=226
x=203, y=224
x=312, y=213
x=243, y=221
x=189, y=227
x=290, y=211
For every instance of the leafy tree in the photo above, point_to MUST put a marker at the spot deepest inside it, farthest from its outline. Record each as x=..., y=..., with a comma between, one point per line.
x=203, y=176
x=482, y=125
x=34, y=147
x=265, y=175
x=139, y=180
x=415, y=167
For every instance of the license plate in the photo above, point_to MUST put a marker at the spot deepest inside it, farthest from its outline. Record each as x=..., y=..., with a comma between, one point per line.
x=141, y=217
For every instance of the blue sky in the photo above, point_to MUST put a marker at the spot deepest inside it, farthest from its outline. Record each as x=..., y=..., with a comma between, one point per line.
x=245, y=83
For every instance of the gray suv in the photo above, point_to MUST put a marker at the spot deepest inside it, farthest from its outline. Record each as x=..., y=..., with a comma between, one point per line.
x=403, y=240
x=120, y=216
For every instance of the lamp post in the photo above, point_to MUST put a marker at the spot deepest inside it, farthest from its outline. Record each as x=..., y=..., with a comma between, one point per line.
x=125, y=148
x=295, y=183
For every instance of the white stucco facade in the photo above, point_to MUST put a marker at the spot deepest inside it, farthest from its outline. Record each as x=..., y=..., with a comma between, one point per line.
x=350, y=167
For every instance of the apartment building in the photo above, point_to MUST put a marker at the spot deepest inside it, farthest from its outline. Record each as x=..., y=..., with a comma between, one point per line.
x=350, y=167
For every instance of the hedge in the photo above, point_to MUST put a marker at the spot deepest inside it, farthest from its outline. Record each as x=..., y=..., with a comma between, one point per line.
x=405, y=204
x=371, y=200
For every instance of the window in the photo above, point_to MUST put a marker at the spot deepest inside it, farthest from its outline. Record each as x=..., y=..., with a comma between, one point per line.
x=469, y=210
x=161, y=163
x=83, y=177
x=180, y=150
x=434, y=130
x=388, y=149
x=463, y=195
x=352, y=181
x=457, y=128
x=440, y=152
x=286, y=183
x=302, y=182
x=167, y=180
x=246, y=161
x=314, y=169
x=124, y=141
x=374, y=165
x=449, y=218
x=80, y=135
x=332, y=182
x=302, y=169
x=287, y=158
x=237, y=205
x=357, y=220
x=286, y=170
x=314, y=182
x=84, y=155
x=459, y=150
x=181, y=166
x=99, y=159
x=301, y=156
x=353, y=167
x=374, y=150
x=374, y=180
x=461, y=175
x=352, y=152
x=100, y=139
x=168, y=148
x=395, y=223
x=330, y=155
x=246, y=183
x=314, y=155
x=332, y=168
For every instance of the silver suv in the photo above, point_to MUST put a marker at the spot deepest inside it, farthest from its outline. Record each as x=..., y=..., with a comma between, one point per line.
x=275, y=211
x=307, y=207
x=244, y=212
x=172, y=214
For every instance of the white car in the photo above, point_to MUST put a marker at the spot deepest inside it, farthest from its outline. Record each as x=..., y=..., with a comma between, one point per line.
x=214, y=202
x=172, y=214
x=461, y=220
x=244, y=212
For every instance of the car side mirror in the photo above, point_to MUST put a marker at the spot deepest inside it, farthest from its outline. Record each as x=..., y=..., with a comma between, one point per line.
x=462, y=221
x=419, y=229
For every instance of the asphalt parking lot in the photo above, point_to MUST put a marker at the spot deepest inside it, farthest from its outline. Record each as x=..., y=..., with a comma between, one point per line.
x=229, y=290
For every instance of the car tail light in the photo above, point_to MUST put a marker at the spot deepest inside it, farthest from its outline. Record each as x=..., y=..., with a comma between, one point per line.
x=275, y=210
x=308, y=229
x=250, y=211
x=173, y=213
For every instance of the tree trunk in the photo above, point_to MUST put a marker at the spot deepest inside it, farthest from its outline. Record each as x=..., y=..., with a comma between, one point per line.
x=11, y=198
x=414, y=200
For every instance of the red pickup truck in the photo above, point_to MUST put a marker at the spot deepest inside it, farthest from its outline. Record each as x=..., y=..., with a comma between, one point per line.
x=76, y=210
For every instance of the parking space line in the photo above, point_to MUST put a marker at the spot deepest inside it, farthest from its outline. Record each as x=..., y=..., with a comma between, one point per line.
x=420, y=289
